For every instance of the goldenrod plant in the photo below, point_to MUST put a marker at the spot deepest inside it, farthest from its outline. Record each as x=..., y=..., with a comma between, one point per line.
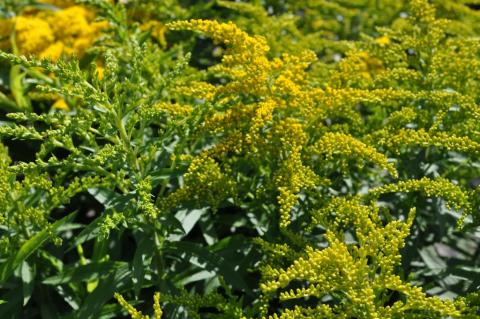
x=250, y=160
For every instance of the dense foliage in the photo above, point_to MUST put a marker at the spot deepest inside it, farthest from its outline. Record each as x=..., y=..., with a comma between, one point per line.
x=222, y=159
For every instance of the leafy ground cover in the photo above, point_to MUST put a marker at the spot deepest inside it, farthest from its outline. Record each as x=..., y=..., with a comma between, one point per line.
x=224, y=159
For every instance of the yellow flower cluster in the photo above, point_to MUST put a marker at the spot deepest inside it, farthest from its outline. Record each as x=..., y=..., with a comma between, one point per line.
x=274, y=251
x=292, y=175
x=51, y=34
x=157, y=30
x=157, y=310
x=346, y=146
x=267, y=112
x=134, y=313
x=197, y=90
x=61, y=105
x=145, y=198
x=321, y=311
x=243, y=48
x=383, y=40
x=246, y=63
x=454, y=195
x=249, y=126
x=409, y=137
x=357, y=70
x=340, y=104
x=159, y=110
x=205, y=183
x=362, y=271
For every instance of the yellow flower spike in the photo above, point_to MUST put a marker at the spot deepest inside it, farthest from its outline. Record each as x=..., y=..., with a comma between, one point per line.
x=332, y=144
x=156, y=306
x=205, y=181
x=349, y=267
x=420, y=137
x=134, y=313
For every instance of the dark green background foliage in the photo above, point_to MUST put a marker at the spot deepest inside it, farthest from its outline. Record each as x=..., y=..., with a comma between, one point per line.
x=83, y=192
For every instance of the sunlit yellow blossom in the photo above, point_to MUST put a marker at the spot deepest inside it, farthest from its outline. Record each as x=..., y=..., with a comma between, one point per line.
x=244, y=60
x=73, y=26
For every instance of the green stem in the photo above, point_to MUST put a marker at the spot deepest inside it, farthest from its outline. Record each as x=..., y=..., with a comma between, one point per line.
x=125, y=139
x=159, y=240
x=16, y=79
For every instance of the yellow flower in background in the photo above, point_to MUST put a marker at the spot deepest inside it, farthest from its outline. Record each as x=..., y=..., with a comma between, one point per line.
x=59, y=3
x=383, y=40
x=6, y=28
x=33, y=35
x=157, y=30
x=64, y=29
x=61, y=105
x=100, y=70
x=51, y=34
x=53, y=52
x=70, y=22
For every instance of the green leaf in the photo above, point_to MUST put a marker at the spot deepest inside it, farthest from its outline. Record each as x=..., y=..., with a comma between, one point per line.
x=16, y=85
x=141, y=261
x=111, y=199
x=13, y=305
x=115, y=282
x=88, y=233
x=7, y=104
x=30, y=246
x=69, y=294
x=189, y=277
x=27, y=276
x=84, y=273
x=203, y=258
x=187, y=220
x=432, y=260
x=48, y=303
x=109, y=311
